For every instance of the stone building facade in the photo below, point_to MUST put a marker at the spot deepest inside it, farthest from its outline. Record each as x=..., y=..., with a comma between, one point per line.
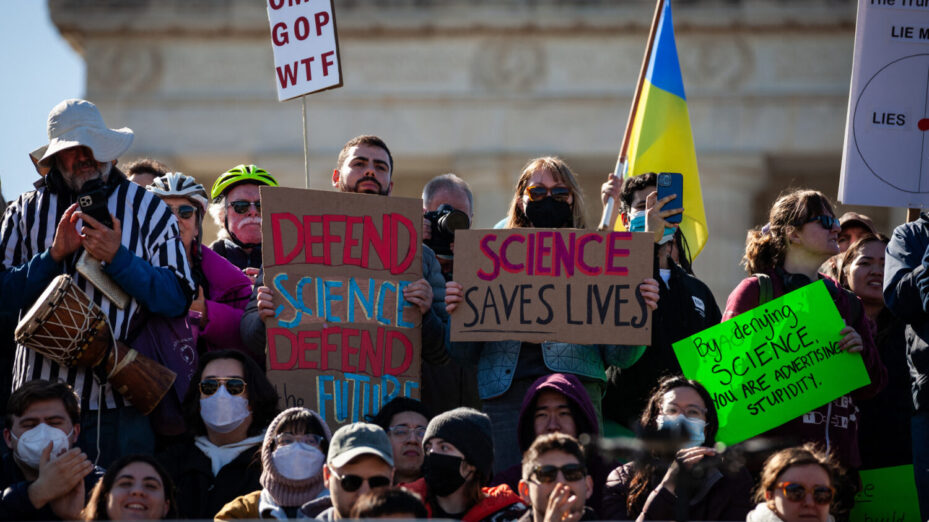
x=480, y=87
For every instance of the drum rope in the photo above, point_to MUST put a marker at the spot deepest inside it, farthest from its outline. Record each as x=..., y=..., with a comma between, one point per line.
x=100, y=406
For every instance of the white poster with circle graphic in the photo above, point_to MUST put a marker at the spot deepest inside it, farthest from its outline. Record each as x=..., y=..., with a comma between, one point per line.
x=886, y=156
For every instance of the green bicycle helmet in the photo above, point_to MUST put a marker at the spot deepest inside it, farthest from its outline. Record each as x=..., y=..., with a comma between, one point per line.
x=241, y=174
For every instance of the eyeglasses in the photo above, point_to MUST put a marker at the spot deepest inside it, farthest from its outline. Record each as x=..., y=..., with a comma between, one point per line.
x=402, y=431
x=540, y=192
x=548, y=474
x=284, y=439
x=183, y=211
x=795, y=492
x=234, y=385
x=351, y=483
x=691, y=412
x=825, y=221
x=241, y=206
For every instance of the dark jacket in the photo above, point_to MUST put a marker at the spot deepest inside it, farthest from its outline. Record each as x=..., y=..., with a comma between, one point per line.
x=589, y=514
x=723, y=495
x=892, y=406
x=199, y=493
x=313, y=508
x=685, y=306
x=833, y=425
x=585, y=419
x=236, y=255
x=15, y=503
x=499, y=503
x=906, y=293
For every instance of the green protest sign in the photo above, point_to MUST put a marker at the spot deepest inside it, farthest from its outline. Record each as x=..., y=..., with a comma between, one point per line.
x=887, y=494
x=773, y=363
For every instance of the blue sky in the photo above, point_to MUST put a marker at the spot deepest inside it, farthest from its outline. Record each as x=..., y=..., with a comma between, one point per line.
x=40, y=69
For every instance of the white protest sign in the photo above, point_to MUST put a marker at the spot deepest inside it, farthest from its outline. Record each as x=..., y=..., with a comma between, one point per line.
x=306, y=49
x=886, y=156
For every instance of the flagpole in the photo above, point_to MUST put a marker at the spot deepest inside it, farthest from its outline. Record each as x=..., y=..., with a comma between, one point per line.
x=610, y=211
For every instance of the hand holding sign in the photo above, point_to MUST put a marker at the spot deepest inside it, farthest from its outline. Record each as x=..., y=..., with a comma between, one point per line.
x=851, y=340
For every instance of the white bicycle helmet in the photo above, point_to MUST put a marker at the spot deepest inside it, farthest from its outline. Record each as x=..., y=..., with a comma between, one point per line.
x=176, y=184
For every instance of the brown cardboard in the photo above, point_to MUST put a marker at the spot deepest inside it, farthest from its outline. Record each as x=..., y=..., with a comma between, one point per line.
x=566, y=291
x=341, y=349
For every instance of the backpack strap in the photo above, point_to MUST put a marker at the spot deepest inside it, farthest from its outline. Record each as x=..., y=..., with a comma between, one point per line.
x=766, y=290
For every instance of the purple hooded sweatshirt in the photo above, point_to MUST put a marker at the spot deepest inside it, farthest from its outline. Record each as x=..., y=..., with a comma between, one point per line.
x=230, y=291
x=585, y=419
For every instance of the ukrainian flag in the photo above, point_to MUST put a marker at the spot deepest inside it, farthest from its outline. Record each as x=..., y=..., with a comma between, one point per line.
x=661, y=139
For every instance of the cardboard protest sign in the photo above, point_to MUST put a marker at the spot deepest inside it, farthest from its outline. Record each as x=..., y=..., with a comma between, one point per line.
x=306, y=48
x=343, y=341
x=774, y=363
x=884, y=160
x=887, y=494
x=535, y=285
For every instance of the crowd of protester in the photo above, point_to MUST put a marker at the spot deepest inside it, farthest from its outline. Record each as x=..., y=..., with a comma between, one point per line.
x=506, y=430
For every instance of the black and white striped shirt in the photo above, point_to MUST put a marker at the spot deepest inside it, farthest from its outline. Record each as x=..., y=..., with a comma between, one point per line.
x=149, y=231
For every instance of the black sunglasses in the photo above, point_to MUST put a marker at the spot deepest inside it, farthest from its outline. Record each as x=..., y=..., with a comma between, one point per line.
x=234, y=385
x=241, y=206
x=548, y=474
x=351, y=483
x=794, y=492
x=540, y=192
x=183, y=211
x=825, y=221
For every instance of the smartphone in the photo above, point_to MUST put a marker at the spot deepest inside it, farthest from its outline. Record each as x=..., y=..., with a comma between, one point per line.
x=92, y=201
x=672, y=183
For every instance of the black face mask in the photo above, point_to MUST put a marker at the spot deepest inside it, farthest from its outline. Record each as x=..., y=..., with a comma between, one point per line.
x=443, y=473
x=549, y=213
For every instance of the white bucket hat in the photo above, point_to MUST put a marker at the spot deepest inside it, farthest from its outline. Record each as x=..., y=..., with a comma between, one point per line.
x=76, y=122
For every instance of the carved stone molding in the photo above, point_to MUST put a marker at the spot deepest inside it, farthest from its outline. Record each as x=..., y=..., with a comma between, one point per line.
x=508, y=65
x=120, y=71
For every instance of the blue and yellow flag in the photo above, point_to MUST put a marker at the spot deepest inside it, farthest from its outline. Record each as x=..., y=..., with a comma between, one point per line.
x=661, y=139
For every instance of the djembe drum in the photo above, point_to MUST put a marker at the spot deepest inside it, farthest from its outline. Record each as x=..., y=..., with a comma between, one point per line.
x=65, y=326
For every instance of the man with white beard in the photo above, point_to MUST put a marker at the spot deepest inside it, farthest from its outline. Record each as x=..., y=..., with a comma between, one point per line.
x=141, y=252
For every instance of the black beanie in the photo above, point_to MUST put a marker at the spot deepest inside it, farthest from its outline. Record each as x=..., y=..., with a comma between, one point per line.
x=470, y=431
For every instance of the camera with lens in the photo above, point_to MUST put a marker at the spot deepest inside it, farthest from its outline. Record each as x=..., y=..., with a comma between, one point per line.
x=445, y=221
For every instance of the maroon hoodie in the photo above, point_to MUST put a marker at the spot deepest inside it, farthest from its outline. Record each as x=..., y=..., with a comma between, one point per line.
x=585, y=419
x=835, y=424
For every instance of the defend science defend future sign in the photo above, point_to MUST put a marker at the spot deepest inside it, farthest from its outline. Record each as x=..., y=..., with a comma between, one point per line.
x=535, y=285
x=774, y=363
x=343, y=340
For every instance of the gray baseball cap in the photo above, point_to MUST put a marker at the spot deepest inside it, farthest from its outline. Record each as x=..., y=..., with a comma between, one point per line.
x=356, y=439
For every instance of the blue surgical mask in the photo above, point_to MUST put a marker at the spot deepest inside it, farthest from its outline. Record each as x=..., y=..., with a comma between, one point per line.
x=693, y=428
x=637, y=221
x=637, y=224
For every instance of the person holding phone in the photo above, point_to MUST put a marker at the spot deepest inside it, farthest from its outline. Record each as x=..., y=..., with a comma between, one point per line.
x=654, y=203
x=141, y=253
